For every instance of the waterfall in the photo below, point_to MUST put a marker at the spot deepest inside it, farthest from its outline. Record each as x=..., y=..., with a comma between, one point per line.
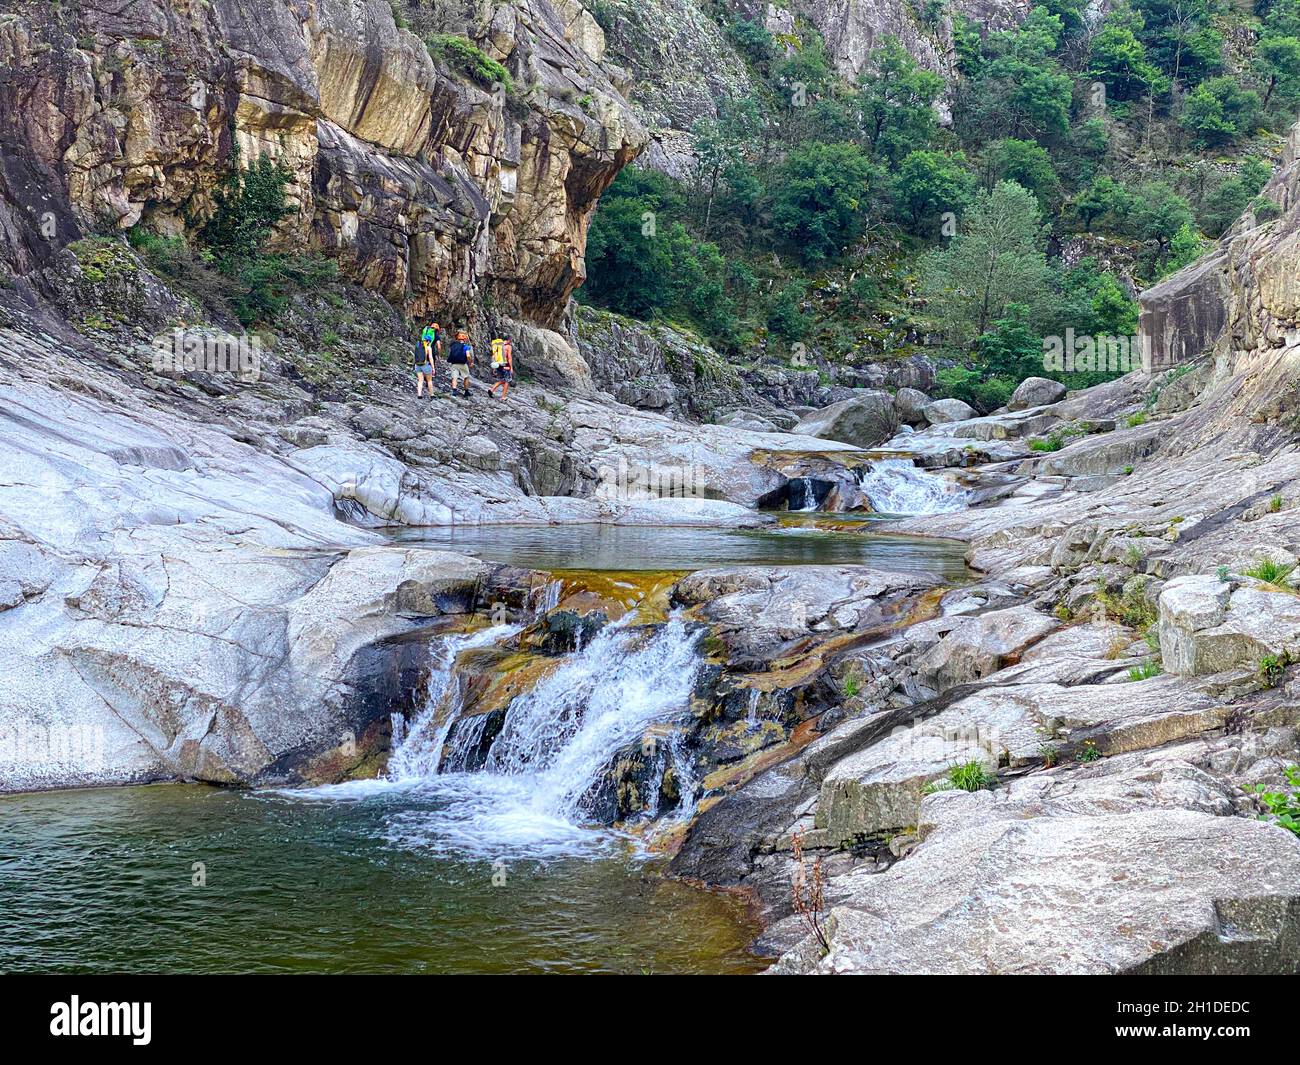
x=563, y=733
x=417, y=752
x=530, y=798
x=897, y=486
x=548, y=597
x=800, y=494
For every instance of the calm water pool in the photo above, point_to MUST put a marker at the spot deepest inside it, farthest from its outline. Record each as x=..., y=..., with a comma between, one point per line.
x=101, y=881
x=440, y=874
x=798, y=541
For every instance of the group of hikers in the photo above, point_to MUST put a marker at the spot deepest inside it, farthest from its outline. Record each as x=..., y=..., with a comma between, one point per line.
x=460, y=362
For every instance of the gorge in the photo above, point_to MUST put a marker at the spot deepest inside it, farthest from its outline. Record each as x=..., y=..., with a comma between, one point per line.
x=304, y=674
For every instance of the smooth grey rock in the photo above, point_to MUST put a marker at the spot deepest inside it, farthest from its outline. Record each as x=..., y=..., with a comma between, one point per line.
x=865, y=421
x=949, y=410
x=1035, y=392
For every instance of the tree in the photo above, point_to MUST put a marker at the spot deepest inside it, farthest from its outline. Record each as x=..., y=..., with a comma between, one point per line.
x=785, y=317
x=996, y=259
x=896, y=99
x=1027, y=164
x=1103, y=197
x=1023, y=98
x=1115, y=312
x=820, y=198
x=930, y=183
x=752, y=39
x=1185, y=247
x=1119, y=60
x=1158, y=213
x=628, y=265
x=249, y=205
x=1277, y=60
x=1219, y=111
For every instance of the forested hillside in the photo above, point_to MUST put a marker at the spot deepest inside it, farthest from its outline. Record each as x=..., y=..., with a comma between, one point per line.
x=1070, y=162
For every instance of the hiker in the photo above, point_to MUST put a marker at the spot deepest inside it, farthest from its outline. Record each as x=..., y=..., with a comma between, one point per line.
x=460, y=359
x=503, y=366
x=426, y=358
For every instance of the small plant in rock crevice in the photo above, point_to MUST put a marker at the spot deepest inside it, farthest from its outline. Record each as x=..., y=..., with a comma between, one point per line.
x=1145, y=670
x=1272, y=667
x=1090, y=752
x=808, y=893
x=1274, y=573
x=969, y=776
x=1283, y=807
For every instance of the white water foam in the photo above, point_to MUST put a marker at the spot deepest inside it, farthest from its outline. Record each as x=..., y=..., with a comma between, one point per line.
x=530, y=798
x=897, y=486
x=418, y=753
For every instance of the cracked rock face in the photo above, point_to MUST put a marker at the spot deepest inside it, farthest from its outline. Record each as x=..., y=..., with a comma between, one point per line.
x=425, y=186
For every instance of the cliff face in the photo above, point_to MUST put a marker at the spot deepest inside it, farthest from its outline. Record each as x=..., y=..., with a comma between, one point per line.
x=427, y=187
x=1240, y=306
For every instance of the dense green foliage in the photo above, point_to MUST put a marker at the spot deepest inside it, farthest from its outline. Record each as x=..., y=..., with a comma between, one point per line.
x=463, y=55
x=846, y=220
x=230, y=269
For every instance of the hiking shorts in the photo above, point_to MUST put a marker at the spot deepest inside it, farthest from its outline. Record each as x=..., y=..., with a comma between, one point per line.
x=459, y=372
x=426, y=369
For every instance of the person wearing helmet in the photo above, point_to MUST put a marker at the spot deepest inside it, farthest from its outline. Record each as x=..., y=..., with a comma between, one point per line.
x=426, y=358
x=503, y=366
x=460, y=360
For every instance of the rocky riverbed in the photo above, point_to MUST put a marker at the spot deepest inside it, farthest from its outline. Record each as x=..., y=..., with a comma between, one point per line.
x=1043, y=763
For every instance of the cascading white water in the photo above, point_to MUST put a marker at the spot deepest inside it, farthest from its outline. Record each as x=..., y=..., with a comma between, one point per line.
x=897, y=486
x=563, y=733
x=800, y=495
x=417, y=752
x=528, y=800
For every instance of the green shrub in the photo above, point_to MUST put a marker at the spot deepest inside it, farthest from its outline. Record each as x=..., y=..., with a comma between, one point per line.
x=1047, y=443
x=972, y=776
x=250, y=203
x=1134, y=420
x=462, y=54
x=1283, y=808
x=1272, y=667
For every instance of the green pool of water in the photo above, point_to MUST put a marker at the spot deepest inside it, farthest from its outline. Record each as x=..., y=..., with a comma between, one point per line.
x=102, y=881
x=798, y=541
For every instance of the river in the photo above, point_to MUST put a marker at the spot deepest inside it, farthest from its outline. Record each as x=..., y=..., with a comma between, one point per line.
x=428, y=870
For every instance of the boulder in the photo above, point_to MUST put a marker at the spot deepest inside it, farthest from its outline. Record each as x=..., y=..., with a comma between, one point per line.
x=867, y=420
x=910, y=404
x=1036, y=392
x=545, y=356
x=748, y=419
x=980, y=645
x=1208, y=625
x=881, y=787
x=949, y=410
x=1148, y=891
